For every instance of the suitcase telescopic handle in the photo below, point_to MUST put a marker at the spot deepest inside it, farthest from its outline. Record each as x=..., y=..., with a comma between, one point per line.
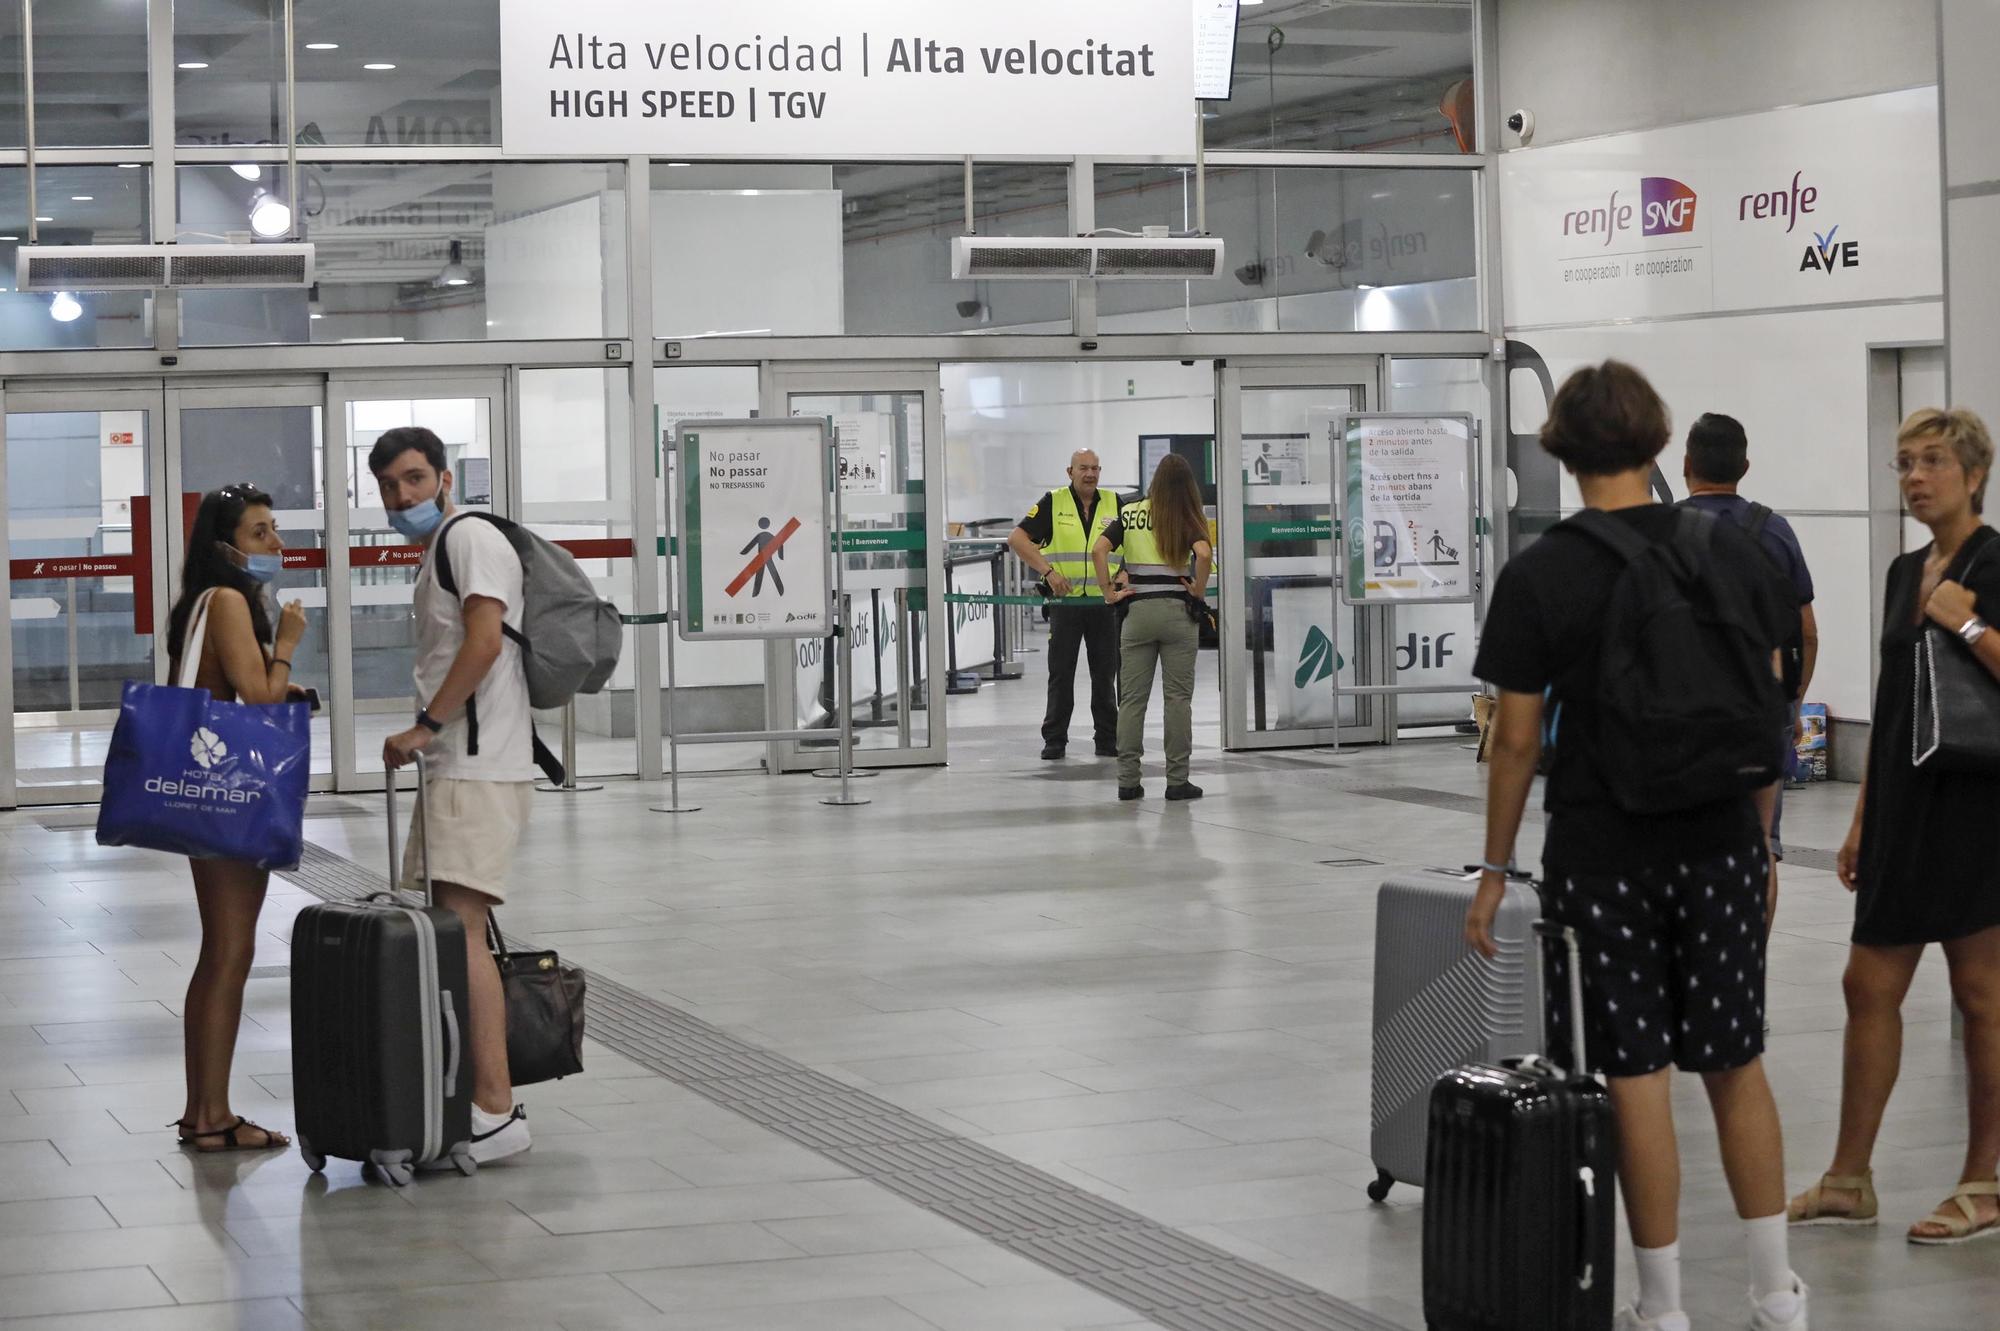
x=423, y=823
x=1567, y=936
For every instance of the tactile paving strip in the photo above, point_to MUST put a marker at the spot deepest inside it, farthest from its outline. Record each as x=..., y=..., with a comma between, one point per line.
x=1160, y=1273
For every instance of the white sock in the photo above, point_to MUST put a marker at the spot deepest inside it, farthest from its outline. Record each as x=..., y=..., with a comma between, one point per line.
x=1659, y=1279
x=485, y=1122
x=1771, y=1279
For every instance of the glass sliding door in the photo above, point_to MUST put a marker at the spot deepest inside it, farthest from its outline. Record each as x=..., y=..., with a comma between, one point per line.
x=1284, y=636
x=889, y=425
x=86, y=609
x=375, y=573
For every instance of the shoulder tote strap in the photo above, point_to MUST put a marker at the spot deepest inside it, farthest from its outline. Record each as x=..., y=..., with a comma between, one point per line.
x=191, y=645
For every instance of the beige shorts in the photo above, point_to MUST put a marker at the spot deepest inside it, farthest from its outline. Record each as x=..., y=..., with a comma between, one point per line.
x=475, y=827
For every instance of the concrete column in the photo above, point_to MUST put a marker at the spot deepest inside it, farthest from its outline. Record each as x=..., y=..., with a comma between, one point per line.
x=1969, y=109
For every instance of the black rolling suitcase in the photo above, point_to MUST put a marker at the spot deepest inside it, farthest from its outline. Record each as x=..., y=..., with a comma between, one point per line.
x=379, y=1066
x=1520, y=1192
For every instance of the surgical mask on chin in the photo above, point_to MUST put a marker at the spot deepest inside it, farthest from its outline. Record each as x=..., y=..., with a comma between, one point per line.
x=418, y=520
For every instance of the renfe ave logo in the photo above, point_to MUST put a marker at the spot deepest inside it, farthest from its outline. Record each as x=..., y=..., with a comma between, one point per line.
x=1665, y=208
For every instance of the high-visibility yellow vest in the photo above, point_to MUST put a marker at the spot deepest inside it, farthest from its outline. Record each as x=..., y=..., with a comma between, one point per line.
x=1069, y=544
x=1147, y=568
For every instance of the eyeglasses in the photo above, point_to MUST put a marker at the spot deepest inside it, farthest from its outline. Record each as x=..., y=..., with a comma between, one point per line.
x=1932, y=462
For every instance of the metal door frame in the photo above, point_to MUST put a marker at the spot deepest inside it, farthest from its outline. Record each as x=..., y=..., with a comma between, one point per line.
x=496, y=387
x=778, y=382
x=1363, y=378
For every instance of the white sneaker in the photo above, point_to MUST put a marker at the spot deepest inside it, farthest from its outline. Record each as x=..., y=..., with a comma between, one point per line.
x=1629, y=1320
x=1762, y=1319
x=496, y=1138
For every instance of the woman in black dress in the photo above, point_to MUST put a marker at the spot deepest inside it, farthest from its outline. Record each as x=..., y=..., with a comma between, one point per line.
x=1922, y=857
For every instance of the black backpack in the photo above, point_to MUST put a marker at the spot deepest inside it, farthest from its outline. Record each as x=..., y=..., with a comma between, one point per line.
x=1793, y=648
x=1685, y=709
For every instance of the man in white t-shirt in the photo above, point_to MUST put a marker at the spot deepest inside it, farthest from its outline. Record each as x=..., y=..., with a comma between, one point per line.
x=475, y=731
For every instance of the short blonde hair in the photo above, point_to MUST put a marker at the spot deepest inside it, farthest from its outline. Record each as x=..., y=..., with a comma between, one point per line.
x=1967, y=437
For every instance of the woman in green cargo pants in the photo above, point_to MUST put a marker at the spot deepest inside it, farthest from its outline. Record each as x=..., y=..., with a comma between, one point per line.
x=1164, y=539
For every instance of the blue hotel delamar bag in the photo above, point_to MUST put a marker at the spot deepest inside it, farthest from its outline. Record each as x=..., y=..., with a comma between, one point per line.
x=210, y=780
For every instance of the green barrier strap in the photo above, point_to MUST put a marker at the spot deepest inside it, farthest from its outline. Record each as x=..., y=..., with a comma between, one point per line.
x=641, y=620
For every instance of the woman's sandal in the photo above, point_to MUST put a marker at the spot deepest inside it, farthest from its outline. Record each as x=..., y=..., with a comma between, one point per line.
x=273, y=1140
x=1961, y=1223
x=1810, y=1207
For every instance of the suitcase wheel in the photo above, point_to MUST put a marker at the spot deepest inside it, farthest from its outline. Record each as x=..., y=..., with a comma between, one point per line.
x=461, y=1159
x=314, y=1160
x=397, y=1175
x=1379, y=1189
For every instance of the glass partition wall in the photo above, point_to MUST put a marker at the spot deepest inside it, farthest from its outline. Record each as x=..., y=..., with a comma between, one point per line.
x=554, y=319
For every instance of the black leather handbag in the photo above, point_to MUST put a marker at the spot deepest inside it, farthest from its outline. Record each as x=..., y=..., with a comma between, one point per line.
x=544, y=1011
x=1955, y=725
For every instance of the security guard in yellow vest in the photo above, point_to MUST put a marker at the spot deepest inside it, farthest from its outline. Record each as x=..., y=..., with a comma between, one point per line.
x=1055, y=541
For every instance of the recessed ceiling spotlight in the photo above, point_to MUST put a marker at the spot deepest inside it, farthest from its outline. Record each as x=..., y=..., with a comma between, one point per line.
x=248, y=170
x=268, y=217
x=65, y=308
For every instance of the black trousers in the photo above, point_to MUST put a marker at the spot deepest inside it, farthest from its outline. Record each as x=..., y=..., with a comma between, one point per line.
x=1094, y=628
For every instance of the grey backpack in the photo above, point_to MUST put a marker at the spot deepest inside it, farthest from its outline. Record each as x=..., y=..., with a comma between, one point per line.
x=569, y=637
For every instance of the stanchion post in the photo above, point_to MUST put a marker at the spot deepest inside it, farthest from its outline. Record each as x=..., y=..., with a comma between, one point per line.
x=673, y=804
x=568, y=785
x=844, y=667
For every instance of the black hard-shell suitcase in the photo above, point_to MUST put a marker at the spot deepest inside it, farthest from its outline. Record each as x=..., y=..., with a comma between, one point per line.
x=379, y=1022
x=1520, y=1192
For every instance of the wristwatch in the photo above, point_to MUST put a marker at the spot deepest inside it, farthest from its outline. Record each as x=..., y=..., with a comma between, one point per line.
x=429, y=722
x=1972, y=630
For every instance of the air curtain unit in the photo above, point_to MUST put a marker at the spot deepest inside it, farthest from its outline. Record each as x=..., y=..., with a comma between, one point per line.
x=153, y=267
x=1014, y=258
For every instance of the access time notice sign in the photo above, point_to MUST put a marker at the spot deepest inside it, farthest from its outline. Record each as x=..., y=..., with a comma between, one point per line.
x=810, y=80
x=755, y=554
x=1409, y=496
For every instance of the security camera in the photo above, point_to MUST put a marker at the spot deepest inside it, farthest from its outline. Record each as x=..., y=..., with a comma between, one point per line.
x=970, y=309
x=1523, y=124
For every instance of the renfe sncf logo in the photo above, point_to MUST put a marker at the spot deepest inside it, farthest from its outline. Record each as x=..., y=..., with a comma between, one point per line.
x=1665, y=208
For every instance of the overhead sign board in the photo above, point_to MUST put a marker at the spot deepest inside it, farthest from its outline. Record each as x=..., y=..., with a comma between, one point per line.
x=807, y=80
x=756, y=557
x=1214, y=48
x=1407, y=482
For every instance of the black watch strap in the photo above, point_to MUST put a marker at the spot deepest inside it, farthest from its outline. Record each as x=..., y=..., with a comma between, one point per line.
x=429, y=722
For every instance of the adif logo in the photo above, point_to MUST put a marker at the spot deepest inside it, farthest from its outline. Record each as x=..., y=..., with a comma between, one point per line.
x=1317, y=659
x=1666, y=208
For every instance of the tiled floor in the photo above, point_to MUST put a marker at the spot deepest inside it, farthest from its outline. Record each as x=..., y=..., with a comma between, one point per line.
x=1167, y=1006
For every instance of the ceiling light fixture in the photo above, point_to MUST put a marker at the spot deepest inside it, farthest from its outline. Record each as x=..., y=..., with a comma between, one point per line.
x=378, y=66
x=455, y=273
x=83, y=198
x=45, y=219
x=269, y=218
x=322, y=46
x=128, y=166
x=248, y=170
x=65, y=308
x=192, y=64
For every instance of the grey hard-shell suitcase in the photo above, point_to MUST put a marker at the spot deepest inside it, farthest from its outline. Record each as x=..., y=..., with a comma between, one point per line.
x=1439, y=1004
x=380, y=1072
